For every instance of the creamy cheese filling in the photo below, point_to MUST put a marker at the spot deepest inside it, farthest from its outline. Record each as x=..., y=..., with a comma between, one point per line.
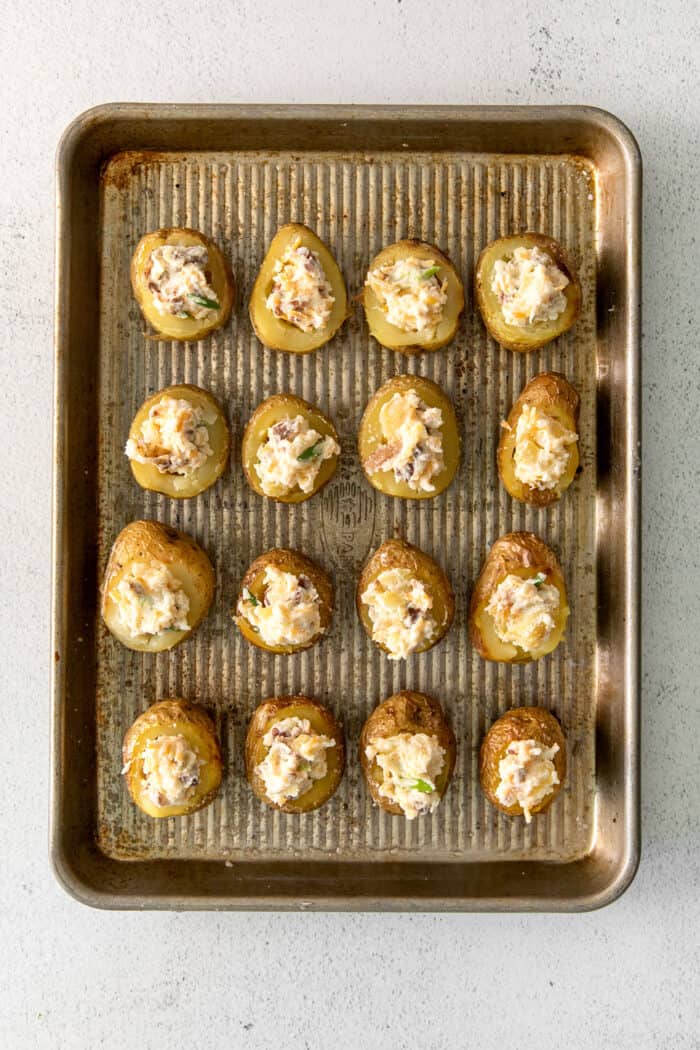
x=172, y=438
x=290, y=456
x=171, y=770
x=524, y=610
x=151, y=600
x=410, y=765
x=399, y=608
x=542, y=449
x=177, y=279
x=290, y=612
x=529, y=287
x=412, y=445
x=410, y=292
x=528, y=775
x=296, y=759
x=301, y=293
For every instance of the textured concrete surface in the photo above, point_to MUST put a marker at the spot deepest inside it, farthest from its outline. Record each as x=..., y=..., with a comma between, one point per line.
x=627, y=976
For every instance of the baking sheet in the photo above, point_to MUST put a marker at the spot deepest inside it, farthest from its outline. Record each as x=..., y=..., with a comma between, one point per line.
x=357, y=201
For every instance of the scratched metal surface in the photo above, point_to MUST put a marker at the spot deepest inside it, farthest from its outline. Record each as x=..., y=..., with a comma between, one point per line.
x=357, y=203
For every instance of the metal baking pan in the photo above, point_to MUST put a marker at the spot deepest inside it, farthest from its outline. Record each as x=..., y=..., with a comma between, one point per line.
x=362, y=177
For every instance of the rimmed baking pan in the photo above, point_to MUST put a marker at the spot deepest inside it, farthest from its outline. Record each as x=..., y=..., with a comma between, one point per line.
x=362, y=177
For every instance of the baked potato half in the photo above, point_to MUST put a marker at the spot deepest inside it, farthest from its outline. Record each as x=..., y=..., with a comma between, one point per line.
x=375, y=446
x=196, y=315
x=157, y=465
x=270, y=414
x=172, y=759
x=254, y=599
x=294, y=744
x=548, y=395
x=276, y=332
x=378, y=310
x=439, y=267
x=407, y=714
x=409, y=610
x=533, y=334
x=158, y=586
x=503, y=610
x=526, y=778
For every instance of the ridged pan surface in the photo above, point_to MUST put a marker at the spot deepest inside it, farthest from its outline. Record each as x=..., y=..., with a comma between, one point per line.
x=357, y=203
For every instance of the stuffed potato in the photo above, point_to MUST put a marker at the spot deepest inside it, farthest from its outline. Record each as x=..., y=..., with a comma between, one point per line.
x=527, y=290
x=407, y=752
x=519, y=608
x=408, y=439
x=294, y=753
x=413, y=297
x=178, y=442
x=299, y=300
x=172, y=759
x=182, y=282
x=285, y=603
x=290, y=449
x=538, y=450
x=158, y=586
x=404, y=600
x=522, y=762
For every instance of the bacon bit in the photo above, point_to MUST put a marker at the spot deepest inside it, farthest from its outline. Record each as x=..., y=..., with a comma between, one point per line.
x=381, y=455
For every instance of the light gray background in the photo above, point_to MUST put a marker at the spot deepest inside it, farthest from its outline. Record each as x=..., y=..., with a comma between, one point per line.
x=627, y=976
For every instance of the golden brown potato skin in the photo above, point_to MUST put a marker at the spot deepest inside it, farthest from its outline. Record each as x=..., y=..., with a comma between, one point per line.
x=553, y=394
x=173, y=717
x=184, y=329
x=188, y=485
x=150, y=542
x=266, y=415
x=521, y=723
x=276, y=333
x=322, y=722
x=415, y=342
x=533, y=336
x=285, y=560
x=370, y=436
x=406, y=712
x=397, y=554
x=520, y=554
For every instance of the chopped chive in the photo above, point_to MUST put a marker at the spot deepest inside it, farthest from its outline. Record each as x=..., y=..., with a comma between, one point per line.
x=422, y=785
x=311, y=451
x=183, y=315
x=539, y=579
x=201, y=300
x=250, y=597
x=430, y=272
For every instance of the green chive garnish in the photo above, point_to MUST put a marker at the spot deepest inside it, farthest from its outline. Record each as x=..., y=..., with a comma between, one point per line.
x=430, y=272
x=208, y=304
x=183, y=315
x=310, y=452
x=250, y=597
x=539, y=579
x=422, y=785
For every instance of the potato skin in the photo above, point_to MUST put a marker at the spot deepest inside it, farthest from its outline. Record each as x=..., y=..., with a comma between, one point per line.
x=553, y=394
x=520, y=554
x=398, y=554
x=185, y=486
x=151, y=542
x=182, y=329
x=370, y=435
x=285, y=560
x=272, y=331
x=520, y=723
x=527, y=337
x=322, y=722
x=266, y=415
x=394, y=338
x=173, y=717
x=406, y=712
